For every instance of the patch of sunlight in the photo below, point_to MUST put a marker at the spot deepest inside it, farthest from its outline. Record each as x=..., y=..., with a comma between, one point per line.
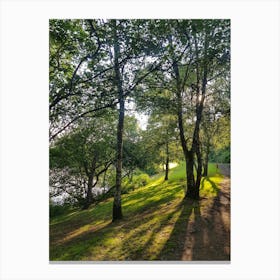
x=111, y=241
x=210, y=186
x=161, y=235
x=171, y=165
x=130, y=202
x=154, y=183
x=84, y=229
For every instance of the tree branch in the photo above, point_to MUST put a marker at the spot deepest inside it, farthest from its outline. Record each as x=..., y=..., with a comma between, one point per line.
x=82, y=115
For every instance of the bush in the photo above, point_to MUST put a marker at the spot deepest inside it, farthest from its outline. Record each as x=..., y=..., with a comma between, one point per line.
x=221, y=155
x=57, y=209
x=137, y=181
x=141, y=180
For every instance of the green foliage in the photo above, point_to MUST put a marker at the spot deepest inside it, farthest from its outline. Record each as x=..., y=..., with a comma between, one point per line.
x=221, y=155
x=58, y=210
x=141, y=180
x=84, y=94
x=130, y=184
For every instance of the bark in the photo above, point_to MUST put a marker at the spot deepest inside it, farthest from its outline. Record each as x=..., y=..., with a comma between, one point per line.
x=205, y=163
x=117, y=209
x=189, y=159
x=104, y=181
x=89, y=196
x=166, y=162
x=192, y=191
x=189, y=156
x=196, y=147
x=90, y=185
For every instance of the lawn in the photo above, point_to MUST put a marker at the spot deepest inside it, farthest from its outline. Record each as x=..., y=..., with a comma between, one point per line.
x=147, y=232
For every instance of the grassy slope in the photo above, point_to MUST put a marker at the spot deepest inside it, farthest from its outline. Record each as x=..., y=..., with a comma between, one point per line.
x=150, y=215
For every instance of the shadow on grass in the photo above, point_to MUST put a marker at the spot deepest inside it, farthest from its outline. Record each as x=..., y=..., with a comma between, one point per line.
x=127, y=239
x=175, y=247
x=209, y=186
x=143, y=243
x=76, y=238
x=142, y=234
x=199, y=237
x=59, y=228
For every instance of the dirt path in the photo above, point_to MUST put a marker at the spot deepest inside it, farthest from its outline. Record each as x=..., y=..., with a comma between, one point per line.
x=224, y=169
x=208, y=232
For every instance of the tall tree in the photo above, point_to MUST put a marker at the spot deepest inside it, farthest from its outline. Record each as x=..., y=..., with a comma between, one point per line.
x=215, y=120
x=208, y=43
x=128, y=46
x=117, y=210
x=197, y=52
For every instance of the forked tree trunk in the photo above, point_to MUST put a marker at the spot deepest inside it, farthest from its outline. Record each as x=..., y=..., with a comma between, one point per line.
x=192, y=184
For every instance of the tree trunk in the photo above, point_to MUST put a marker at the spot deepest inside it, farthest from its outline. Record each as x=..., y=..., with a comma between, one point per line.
x=190, y=187
x=166, y=163
x=91, y=174
x=205, y=168
x=205, y=164
x=197, y=148
x=104, y=181
x=89, y=196
x=117, y=208
x=192, y=191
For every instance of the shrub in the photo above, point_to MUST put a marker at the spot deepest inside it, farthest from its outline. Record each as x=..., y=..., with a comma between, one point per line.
x=141, y=180
x=136, y=182
x=58, y=209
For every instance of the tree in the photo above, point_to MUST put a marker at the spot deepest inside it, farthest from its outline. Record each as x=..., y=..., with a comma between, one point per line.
x=161, y=140
x=167, y=68
x=103, y=63
x=85, y=153
x=127, y=43
x=207, y=49
x=197, y=52
x=215, y=121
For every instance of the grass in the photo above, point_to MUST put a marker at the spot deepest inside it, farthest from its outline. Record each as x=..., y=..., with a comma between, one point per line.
x=150, y=214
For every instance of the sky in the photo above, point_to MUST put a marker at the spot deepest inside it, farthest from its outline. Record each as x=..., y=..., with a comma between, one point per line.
x=142, y=118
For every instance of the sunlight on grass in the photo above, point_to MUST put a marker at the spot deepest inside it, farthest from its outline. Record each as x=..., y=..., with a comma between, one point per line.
x=209, y=186
x=171, y=165
x=150, y=215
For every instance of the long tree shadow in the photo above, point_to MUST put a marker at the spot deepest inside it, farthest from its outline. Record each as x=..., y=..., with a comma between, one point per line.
x=145, y=251
x=196, y=235
x=211, y=241
x=202, y=231
x=175, y=246
x=83, y=238
x=101, y=213
x=214, y=187
x=130, y=240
